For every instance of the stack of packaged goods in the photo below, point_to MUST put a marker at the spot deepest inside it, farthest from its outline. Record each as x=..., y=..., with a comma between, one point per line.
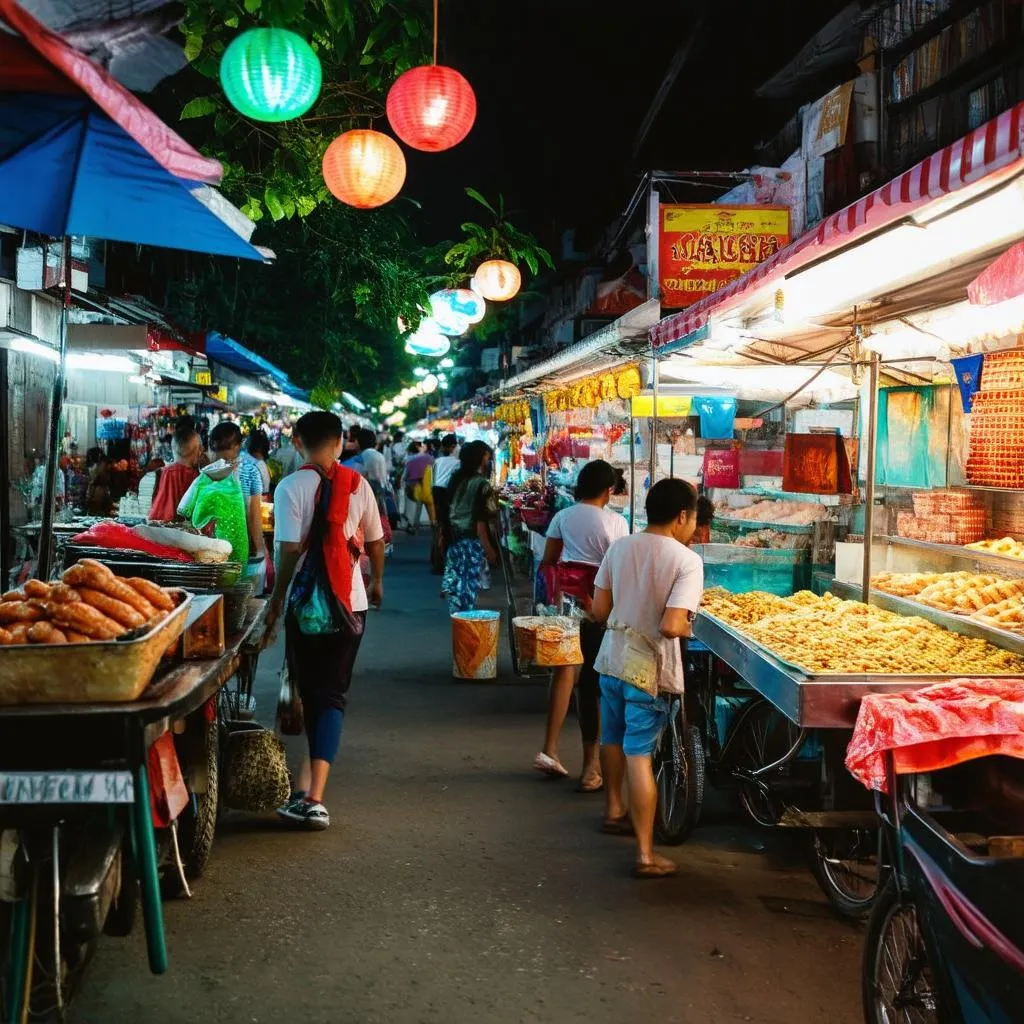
x=996, y=456
x=944, y=517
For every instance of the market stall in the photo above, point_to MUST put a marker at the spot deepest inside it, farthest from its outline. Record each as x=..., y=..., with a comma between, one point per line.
x=883, y=296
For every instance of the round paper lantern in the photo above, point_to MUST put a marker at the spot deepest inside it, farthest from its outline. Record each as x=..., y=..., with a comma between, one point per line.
x=462, y=302
x=270, y=74
x=447, y=319
x=498, y=280
x=446, y=363
x=419, y=371
x=364, y=168
x=400, y=401
x=429, y=384
x=431, y=346
x=431, y=108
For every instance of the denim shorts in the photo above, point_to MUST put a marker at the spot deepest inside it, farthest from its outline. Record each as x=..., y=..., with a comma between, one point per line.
x=630, y=718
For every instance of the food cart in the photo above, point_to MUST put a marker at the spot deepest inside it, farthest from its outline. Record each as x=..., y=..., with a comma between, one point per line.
x=110, y=768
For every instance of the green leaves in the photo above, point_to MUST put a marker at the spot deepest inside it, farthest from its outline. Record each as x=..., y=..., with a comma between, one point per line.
x=273, y=202
x=201, y=106
x=252, y=6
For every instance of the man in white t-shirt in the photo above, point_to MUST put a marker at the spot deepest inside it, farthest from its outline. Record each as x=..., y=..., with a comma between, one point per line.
x=648, y=589
x=320, y=665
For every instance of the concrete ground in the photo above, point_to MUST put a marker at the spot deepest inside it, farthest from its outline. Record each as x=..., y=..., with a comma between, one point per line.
x=457, y=886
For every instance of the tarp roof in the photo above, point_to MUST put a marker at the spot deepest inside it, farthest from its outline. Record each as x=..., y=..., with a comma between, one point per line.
x=231, y=353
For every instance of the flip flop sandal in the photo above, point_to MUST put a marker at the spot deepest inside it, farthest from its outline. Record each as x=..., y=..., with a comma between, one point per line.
x=617, y=826
x=655, y=870
x=549, y=766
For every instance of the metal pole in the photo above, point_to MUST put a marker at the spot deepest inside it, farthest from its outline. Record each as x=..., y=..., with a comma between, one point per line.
x=5, y=474
x=654, y=418
x=869, y=484
x=56, y=409
x=632, y=471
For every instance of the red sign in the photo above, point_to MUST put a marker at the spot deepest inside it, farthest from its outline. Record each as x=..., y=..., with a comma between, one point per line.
x=721, y=467
x=704, y=247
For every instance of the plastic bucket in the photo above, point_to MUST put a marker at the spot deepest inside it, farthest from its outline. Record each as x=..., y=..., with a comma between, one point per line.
x=475, y=644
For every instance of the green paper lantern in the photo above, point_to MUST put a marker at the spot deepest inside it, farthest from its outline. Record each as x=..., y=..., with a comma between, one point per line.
x=270, y=74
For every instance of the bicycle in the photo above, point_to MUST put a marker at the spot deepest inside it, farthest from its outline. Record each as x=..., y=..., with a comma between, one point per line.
x=945, y=941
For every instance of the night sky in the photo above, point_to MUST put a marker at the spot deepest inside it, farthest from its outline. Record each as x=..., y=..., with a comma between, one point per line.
x=563, y=86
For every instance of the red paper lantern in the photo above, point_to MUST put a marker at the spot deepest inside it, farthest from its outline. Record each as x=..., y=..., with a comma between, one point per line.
x=364, y=168
x=431, y=108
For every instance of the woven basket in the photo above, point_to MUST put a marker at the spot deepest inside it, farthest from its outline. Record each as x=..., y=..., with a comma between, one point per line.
x=255, y=769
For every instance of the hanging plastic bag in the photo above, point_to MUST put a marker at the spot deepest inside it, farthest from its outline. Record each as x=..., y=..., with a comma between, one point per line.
x=289, y=706
x=219, y=501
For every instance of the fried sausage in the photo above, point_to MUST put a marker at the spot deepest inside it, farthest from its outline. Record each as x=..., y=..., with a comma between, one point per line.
x=19, y=633
x=13, y=595
x=19, y=611
x=45, y=633
x=63, y=594
x=91, y=574
x=37, y=588
x=155, y=595
x=76, y=638
x=83, y=618
x=112, y=608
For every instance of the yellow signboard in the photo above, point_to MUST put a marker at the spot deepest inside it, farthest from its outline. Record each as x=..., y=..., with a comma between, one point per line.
x=204, y=378
x=668, y=406
x=704, y=247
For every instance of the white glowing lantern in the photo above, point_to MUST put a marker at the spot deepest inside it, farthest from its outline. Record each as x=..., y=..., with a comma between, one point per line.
x=429, y=384
x=400, y=401
x=447, y=363
x=419, y=371
x=387, y=408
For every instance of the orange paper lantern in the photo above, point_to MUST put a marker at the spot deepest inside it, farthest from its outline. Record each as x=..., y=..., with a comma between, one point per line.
x=431, y=108
x=498, y=280
x=364, y=168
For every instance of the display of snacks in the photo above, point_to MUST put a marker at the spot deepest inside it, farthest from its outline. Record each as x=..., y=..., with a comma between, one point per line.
x=793, y=513
x=1007, y=547
x=962, y=592
x=822, y=635
x=996, y=453
x=944, y=517
x=90, y=604
x=1008, y=615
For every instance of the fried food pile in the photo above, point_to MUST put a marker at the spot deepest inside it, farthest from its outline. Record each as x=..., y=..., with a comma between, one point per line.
x=1005, y=546
x=951, y=591
x=827, y=635
x=90, y=603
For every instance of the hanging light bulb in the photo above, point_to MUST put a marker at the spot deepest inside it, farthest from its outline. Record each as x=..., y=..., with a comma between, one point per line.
x=498, y=280
x=364, y=168
x=419, y=371
x=429, y=384
x=270, y=74
x=400, y=401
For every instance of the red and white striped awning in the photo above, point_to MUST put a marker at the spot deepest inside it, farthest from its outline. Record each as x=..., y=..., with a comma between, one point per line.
x=993, y=152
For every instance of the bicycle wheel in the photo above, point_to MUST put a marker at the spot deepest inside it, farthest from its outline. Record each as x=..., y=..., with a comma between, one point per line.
x=761, y=735
x=679, y=769
x=896, y=978
x=845, y=864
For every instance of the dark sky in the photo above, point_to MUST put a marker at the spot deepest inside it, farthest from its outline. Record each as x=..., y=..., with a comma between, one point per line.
x=563, y=85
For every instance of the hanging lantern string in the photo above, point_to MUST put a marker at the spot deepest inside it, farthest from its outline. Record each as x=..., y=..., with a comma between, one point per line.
x=435, y=30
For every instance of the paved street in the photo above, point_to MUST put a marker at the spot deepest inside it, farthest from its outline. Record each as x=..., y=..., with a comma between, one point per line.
x=455, y=886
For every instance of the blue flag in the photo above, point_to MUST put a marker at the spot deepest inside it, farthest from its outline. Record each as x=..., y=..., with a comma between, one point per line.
x=717, y=416
x=968, y=377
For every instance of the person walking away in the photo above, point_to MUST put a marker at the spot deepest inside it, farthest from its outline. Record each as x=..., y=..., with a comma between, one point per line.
x=577, y=540
x=417, y=486
x=369, y=464
x=648, y=589
x=257, y=446
x=226, y=444
x=445, y=467
x=177, y=478
x=472, y=513
x=319, y=511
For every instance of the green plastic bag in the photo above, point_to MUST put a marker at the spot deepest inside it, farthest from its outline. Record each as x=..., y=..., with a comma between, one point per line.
x=219, y=502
